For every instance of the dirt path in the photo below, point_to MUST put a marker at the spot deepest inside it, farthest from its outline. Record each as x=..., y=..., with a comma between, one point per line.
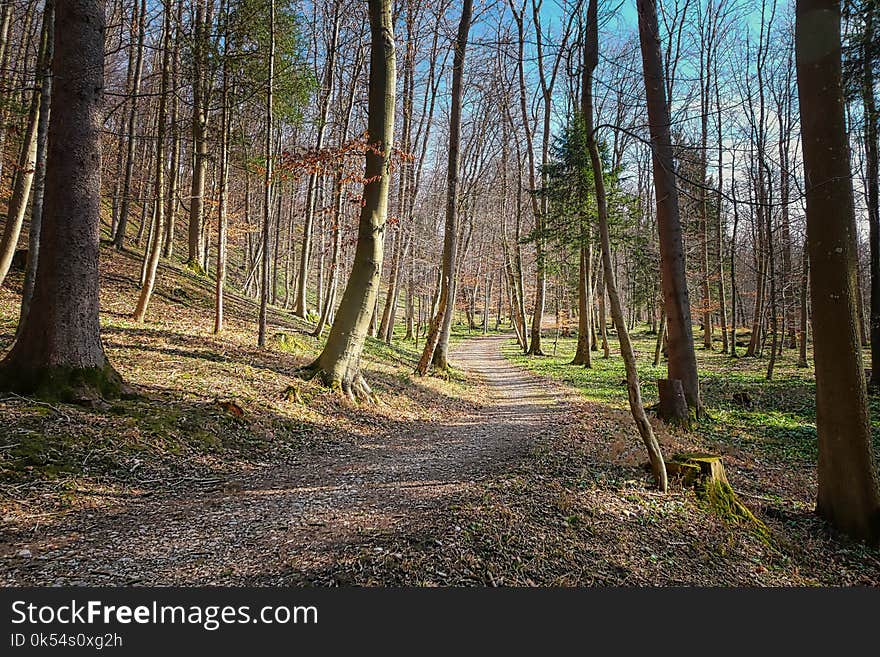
x=282, y=521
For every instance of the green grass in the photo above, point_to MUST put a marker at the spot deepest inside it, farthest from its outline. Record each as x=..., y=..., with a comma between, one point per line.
x=780, y=422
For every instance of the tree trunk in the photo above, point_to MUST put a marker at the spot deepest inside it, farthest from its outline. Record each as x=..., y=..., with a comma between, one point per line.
x=339, y=363
x=682, y=360
x=591, y=59
x=804, y=329
x=154, y=244
x=869, y=107
x=847, y=495
x=174, y=167
x=59, y=354
x=583, y=354
x=200, y=84
x=267, y=181
x=301, y=305
x=225, y=123
x=446, y=306
x=33, y=254
x=122, y=225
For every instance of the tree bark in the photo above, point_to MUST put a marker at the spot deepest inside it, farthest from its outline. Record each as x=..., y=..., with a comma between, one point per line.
x=39, y=185
x=58, y=354
x=847, y=494
x=122, y=225
x=199, y=136
x=154, y=244
x=682, y=361
x=267, y=181
x=446, y=305
x=591, y=59
x=338, y=365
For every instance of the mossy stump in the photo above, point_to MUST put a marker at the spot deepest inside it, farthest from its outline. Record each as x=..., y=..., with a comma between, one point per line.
x=705, y=472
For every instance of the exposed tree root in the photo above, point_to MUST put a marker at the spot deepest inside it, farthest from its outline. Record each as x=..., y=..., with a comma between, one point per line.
x=352, y=385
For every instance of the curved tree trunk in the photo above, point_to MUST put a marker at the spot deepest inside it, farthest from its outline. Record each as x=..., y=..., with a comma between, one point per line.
x=591, y=58
x=339, y=363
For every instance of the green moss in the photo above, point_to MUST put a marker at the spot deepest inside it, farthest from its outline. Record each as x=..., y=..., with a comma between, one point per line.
x=64, y=384
x=721, y=499
x=195, y=267
x=291, y=344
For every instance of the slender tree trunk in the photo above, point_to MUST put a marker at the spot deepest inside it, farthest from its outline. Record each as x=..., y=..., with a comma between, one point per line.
x=267, y=181
x=174, y=167
x=804, y=330
x=591, y=59
x=225, y=123
x=200, y=84
x=869, y=108
x=122, y=225
x=446, y=305
x=39, y=185
x=154, y=244
x=583, y=354
x=301, y=306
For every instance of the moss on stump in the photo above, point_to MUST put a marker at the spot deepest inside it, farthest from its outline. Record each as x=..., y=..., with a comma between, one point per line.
x=705, y=472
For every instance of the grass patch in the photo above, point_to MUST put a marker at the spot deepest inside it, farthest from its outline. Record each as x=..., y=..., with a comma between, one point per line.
x=773, y=418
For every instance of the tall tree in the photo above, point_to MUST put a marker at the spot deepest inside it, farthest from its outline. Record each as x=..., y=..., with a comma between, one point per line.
x=848, y=495
x=157, y=235
x=682, y=361
x=267, y=181
x=140, y=14
x=591, y=60
x=338, y=365
x=201, y=91
x=446, y=305
x=301, y=304
x=59, y=353
x=33, y=254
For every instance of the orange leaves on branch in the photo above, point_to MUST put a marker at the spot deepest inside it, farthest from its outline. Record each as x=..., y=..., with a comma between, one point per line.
x=343, y=161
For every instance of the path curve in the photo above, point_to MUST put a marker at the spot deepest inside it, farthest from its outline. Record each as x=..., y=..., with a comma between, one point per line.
x=291, y=519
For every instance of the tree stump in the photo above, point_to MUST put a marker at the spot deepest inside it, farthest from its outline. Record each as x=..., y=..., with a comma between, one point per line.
x=705, y=473
x=673, y=408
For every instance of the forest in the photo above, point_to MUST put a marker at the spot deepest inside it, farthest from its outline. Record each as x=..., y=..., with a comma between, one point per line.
x=432, y=293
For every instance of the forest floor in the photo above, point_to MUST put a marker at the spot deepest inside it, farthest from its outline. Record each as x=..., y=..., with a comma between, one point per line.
x=220, y=474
